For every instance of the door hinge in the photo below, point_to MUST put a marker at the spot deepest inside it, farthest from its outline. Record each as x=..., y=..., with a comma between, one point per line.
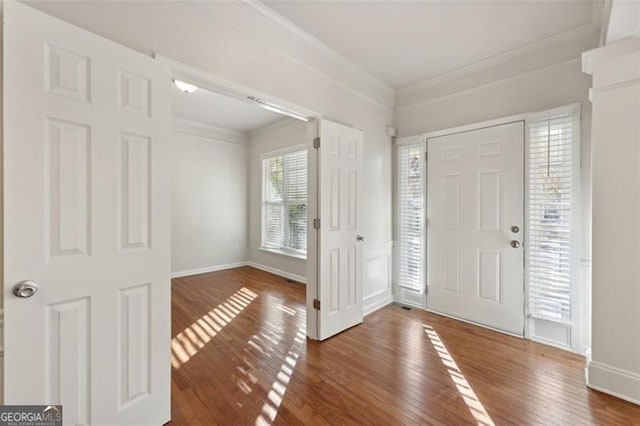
x=316, y=304
x=316, y=142
x=316, y=223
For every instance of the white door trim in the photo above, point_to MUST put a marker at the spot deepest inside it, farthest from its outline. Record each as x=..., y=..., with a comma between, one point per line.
x=581, y=302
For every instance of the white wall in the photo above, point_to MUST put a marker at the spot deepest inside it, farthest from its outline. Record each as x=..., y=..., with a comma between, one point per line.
x=209, y=203
x=614, y=365
x=458, y=102
x=283, y=134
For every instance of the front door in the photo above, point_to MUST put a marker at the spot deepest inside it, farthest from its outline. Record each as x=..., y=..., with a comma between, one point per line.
x=339, y=239
x=86, y=220
x=475, y=216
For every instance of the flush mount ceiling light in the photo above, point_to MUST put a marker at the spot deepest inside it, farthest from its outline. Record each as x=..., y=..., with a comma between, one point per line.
x=277, y=109
x=184, y=86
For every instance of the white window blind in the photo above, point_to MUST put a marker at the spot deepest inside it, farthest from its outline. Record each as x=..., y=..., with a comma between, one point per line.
x=411, y=216
x=553, y=170
x=284, y=202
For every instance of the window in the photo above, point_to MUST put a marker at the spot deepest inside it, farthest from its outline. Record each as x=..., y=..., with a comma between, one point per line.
x=411, y=213
x=284, y=203
x=552, y=207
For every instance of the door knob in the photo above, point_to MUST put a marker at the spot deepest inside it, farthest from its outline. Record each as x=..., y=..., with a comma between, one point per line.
x=25, y=289
x=360, y=238
x=515, y=243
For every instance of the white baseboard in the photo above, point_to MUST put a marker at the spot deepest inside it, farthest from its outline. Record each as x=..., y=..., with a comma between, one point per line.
x=614, y=381
x=279, y=272
x=372, y=304
x=204, y=270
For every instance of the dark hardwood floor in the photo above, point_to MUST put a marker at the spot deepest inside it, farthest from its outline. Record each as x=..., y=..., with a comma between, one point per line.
x=240, y=356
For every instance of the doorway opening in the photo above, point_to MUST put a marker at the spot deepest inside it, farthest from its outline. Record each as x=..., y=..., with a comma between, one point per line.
x=242, y=179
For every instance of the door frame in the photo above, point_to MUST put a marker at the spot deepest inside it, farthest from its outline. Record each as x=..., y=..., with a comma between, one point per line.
x=236, y=90
x=423, y=139
x=580, y=302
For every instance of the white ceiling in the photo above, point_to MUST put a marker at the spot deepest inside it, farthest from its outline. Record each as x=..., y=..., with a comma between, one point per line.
x=404, y=42
x=221, y=111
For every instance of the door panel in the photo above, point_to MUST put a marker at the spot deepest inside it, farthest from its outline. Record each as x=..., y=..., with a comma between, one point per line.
x=86, y=217
x=475, y=194
x=339, y=196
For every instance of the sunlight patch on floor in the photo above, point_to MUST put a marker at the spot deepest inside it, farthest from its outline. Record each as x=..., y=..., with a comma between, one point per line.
x=464, y=388
x=279, y=386
x=193, y=338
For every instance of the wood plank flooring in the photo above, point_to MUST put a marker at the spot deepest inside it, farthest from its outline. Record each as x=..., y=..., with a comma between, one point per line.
x=240, y=356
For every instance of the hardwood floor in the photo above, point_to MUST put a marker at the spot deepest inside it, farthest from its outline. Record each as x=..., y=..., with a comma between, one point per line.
x=240, y=356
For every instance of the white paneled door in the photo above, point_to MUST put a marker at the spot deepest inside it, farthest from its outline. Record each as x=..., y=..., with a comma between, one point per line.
x=339, y=238
x=86, y=202
x=475, y=222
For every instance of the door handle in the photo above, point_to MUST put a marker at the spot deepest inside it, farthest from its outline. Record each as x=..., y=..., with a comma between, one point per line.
x=25, y=289
x=360, y=238
x=515, y=243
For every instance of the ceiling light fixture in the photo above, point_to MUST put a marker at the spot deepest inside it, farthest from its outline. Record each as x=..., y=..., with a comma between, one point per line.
x=277, y=109
x=184, y=86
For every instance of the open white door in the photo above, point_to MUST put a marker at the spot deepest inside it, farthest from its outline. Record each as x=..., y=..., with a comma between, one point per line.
x=339, y=239
x=86, y=125
x=475, y=203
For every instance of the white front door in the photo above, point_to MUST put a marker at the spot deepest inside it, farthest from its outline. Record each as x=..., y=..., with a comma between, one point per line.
x=86, y=217
x=339, y=239
x=475, y=201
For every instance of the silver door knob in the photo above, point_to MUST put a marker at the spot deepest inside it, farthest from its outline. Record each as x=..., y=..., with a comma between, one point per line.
x=360, y=238
x=515, y=243
x=25, y=289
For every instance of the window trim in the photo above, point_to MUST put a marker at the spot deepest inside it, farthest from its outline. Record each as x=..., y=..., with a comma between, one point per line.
x=284, y=251
x=408, y=144
x=575, y=321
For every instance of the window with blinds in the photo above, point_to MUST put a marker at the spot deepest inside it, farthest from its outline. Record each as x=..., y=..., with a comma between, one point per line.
x=411, y=216
x=284, y=202
x=553, y=171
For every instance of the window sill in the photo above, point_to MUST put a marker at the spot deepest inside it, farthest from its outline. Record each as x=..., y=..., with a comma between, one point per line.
x=284, y=253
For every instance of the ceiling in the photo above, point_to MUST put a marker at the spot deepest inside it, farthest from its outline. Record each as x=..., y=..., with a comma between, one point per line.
x=405, y=42
x=221, y=111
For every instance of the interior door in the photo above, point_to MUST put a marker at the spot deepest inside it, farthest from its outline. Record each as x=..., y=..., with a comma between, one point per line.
x=339, y=238
x=86, y=203
x=475, y=202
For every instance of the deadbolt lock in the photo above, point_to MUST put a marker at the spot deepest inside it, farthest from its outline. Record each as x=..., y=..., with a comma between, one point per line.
x=515, y=229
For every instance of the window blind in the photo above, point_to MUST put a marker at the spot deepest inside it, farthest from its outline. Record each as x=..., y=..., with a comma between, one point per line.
x=550, y=242
x=284, y=206
x=411, y=216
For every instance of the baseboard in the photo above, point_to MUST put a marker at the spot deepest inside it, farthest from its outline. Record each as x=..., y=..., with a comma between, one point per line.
x=279, y=272
x=489, y=327
x=614, y=381
x=373, y=303
x=204, y=270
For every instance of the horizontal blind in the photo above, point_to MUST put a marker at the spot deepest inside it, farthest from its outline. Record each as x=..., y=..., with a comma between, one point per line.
x=284, y=211
x=551, y=207
x=273, y=202
x=295, y=190
x=411, y=216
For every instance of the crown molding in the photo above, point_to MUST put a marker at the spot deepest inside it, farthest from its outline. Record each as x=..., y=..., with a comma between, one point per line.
x=286, y=122
x=600, y=16
x=501, y=58
x=273, y=18
x=341, y=71
x=207, y=131
x=570, y=62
